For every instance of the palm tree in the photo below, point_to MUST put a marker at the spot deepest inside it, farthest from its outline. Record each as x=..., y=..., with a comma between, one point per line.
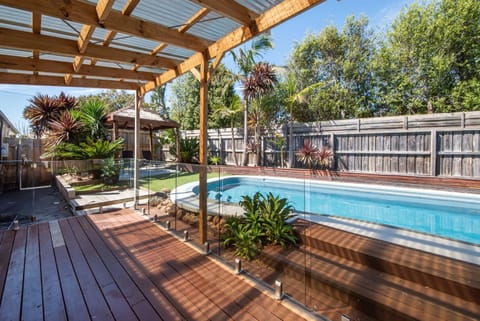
x=294, y=97
x=260, y=82
x=158, y=103
x=93, y=113
x=231, y=112
x=245, y=60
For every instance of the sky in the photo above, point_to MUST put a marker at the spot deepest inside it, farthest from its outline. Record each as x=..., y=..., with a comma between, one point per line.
x=14, y=98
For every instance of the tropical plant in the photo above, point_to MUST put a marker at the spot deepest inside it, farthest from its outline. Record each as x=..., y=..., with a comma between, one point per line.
x=110, y=171
x=245, y=61
x=241, y=239
x=214, y=160
x=264, y=222
x=231, y=113
x=43, y=109
x=310, y=156
x=66, y=128
x=307, y=154
x=324, y=157
x=189, y=149
x=259, y=82
x=93, y=113
x=90, y=149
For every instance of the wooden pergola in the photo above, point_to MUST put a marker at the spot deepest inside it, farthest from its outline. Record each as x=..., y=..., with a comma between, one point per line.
x=131, y=45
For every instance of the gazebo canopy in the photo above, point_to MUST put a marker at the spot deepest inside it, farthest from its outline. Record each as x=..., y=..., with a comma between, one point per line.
x=149, y=120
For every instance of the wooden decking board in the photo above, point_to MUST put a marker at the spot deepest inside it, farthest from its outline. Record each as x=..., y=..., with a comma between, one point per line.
x=5, y=250
x=200, y=270
x=414, y=265
x=360, y=278
x=171, y=278
x=10, y=309
x=180, y=253
x=32, y=305
x=388, y=290
x=118, y=305
x=155, y=297
x=120, y=267
x=75, y=305
x=133, y=294
x=96, y=304
x=53, y=306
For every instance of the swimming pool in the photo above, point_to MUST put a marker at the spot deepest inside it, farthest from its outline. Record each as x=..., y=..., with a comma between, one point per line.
x=447, y=214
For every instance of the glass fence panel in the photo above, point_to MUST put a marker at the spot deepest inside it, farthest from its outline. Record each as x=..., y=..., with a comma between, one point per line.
x=261, y=223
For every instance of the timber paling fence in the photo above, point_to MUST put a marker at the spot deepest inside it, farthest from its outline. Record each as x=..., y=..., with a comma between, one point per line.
x=445, y=145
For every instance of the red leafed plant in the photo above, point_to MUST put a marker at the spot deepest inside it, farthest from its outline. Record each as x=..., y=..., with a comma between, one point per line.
x=310, y=156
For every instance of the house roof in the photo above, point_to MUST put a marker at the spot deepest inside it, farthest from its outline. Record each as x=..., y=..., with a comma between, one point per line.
x=149, y=120
x=126, y=44
x=7, y=121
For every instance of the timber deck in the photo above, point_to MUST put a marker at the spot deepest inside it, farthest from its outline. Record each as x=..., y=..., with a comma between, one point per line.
x=119, y=266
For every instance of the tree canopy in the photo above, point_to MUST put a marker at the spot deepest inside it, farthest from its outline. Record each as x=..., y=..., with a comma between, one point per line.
x=185, y=99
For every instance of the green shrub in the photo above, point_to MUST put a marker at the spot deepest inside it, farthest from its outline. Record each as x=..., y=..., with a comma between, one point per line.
x=264, y=222
x=189, y=149
x=110, y=171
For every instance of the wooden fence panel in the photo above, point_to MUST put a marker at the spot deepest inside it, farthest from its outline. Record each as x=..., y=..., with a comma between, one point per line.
x=388, y=145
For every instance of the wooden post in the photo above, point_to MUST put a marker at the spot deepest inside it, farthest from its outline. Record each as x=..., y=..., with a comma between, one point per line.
x=151, y=143
x=138, y=104
x=202, y=215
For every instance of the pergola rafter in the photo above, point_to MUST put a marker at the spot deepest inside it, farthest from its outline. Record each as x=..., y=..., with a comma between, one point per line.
x=140, y=48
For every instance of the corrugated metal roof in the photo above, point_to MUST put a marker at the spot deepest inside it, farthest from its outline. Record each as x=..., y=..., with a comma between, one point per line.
x=213, y=26
x=135, y=42
x=171, y=14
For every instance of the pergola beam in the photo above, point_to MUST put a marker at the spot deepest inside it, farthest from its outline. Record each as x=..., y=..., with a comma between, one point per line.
x=39, y=65
x=28, y=41
x=30, y=79
x=269, y=19
x=85, y=13
x=184, y=28
x=103, y=9
x=229, y=9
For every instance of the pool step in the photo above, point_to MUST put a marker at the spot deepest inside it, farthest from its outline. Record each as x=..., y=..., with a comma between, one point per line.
x=379, y=295
x=444, y=274
x=385, y=281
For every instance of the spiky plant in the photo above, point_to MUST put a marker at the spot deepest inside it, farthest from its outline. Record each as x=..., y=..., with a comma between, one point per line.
x=260, y=81
x=64, y=129
x=43, y=109
x=307, y=154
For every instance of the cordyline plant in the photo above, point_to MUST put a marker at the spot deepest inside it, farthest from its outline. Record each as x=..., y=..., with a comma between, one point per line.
x=312, y=157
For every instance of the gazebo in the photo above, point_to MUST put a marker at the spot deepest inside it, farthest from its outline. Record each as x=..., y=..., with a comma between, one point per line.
x=132, y=45
x=148, y=121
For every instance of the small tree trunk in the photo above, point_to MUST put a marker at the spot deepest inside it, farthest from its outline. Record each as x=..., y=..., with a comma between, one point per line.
x=245, y=134
x=290, y=144
x=234, y=150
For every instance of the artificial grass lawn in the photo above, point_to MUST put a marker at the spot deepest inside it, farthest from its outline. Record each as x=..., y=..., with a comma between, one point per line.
x=172, y=180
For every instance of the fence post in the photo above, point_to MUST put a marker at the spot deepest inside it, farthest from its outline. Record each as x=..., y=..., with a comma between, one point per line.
x=334, y=151
x=433, y=152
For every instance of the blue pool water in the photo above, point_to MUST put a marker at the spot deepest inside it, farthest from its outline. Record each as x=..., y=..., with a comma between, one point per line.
x=451, y=215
